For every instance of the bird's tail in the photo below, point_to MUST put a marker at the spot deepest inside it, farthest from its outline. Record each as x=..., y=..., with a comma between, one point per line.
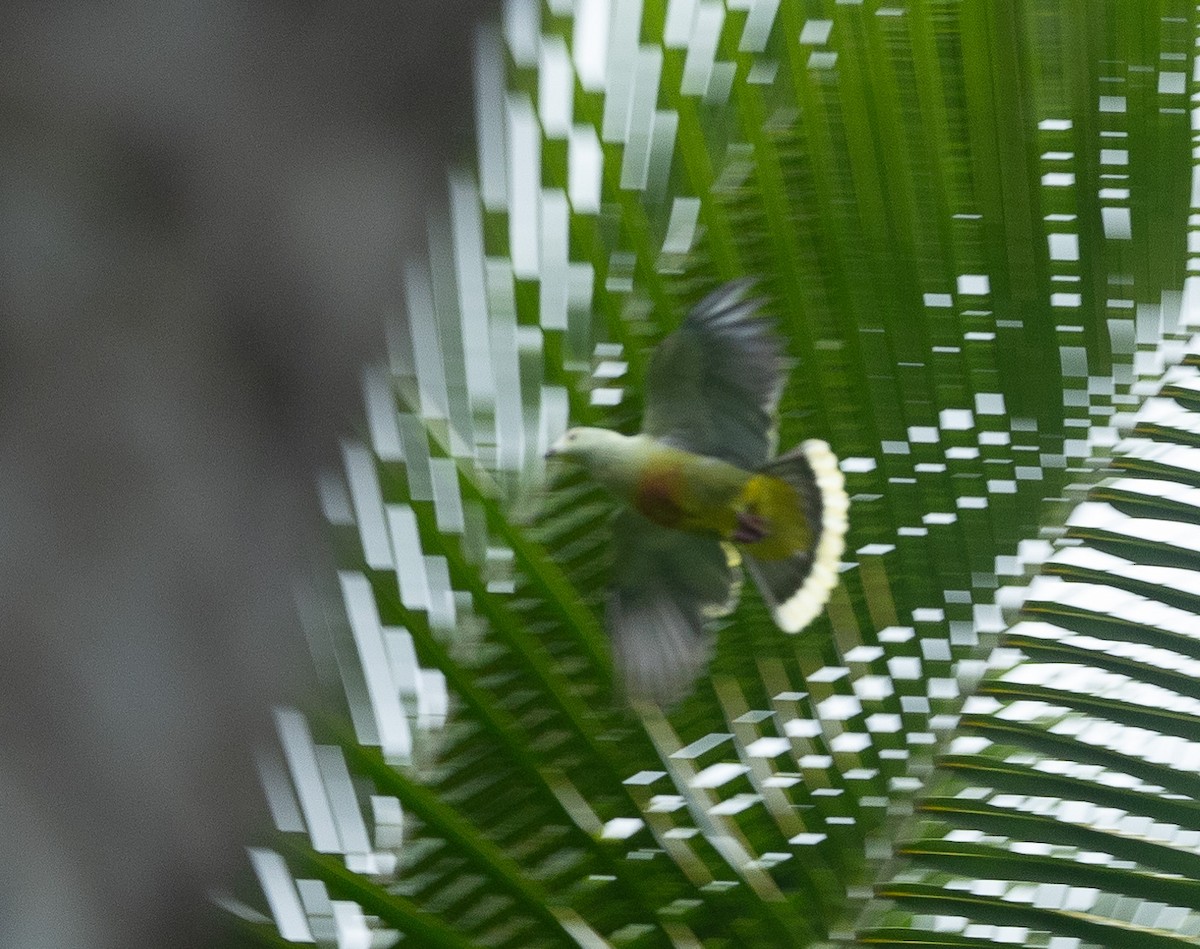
x=798, y=586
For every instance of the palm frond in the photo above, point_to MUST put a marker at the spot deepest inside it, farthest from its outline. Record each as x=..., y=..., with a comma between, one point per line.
x=972, y=221
x=1068, y=804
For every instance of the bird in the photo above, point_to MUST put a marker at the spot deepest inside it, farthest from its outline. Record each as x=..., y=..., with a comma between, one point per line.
x=703, y=494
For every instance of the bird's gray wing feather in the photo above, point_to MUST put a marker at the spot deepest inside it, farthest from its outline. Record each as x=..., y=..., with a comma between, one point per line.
x=713, y=385
x=667, y=587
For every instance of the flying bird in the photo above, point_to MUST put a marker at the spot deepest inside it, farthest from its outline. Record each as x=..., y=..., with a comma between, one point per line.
x=705, y=494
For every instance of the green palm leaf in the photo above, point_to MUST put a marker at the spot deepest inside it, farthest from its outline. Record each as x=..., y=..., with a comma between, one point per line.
x=971, y=219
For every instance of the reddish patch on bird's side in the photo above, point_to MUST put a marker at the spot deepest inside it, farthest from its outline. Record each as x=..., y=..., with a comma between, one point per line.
x=656, y=496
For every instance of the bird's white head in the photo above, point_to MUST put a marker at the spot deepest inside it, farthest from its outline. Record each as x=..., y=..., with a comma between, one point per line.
x=587, y=446
x=609, y=457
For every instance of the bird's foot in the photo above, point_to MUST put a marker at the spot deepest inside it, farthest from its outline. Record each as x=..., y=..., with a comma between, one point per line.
x=751, y=528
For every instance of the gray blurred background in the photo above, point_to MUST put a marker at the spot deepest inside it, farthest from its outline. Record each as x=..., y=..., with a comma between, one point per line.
x=204, y=210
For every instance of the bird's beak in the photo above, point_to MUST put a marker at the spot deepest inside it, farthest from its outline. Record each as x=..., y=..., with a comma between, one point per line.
x=557, y=448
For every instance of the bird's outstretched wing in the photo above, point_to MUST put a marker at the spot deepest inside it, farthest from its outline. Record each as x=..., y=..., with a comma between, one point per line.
x=666, y=588
x=713, y=385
